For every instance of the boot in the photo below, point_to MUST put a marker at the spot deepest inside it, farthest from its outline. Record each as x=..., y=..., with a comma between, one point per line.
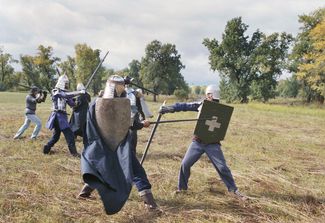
x=46, y=149
x=85, y=192
x=149, y=201
x=73, y=151
x=77, y=155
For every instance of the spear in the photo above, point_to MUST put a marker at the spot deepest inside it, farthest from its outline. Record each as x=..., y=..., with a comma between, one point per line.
x=151, y=136
x=183, y=120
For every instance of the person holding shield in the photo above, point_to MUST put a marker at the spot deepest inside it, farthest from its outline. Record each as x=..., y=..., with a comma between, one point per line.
x=199, y=147
x=108, y=162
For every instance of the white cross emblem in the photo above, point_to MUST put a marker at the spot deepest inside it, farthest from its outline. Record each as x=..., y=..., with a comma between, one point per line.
x=213, y=123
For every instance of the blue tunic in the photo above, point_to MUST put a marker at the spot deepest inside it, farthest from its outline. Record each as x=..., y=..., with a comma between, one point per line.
x=108, y=171
x=58, y=112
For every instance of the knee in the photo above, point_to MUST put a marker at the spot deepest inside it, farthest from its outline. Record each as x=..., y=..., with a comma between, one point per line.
x=185, y=165
x=224, y=169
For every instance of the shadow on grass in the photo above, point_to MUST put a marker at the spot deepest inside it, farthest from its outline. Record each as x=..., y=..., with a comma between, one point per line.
x=294, y=198
x=215, y=211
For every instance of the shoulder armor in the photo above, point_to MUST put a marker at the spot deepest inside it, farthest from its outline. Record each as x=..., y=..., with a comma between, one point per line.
x=55, y=91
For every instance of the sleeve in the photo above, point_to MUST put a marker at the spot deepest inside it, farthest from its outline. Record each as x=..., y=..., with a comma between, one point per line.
x=71, y=102
x=137, y=124
x=31, y=99
x=187, y=106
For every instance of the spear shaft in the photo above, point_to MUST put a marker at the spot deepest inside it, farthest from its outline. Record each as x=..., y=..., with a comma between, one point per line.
x=183, y=120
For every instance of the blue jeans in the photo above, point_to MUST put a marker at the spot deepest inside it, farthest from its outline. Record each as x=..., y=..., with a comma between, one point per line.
x=215, y=154
x=28, y=119
x=139, y=174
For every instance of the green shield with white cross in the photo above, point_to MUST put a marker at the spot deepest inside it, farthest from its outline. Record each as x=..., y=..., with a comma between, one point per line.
x=214, y=124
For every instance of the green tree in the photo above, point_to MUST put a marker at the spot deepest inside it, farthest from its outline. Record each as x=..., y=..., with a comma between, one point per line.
x=134, y=71
x=228, y=90
x=181, y=94
x=45, y=63
x=271, y=60
x=7, y=70
x=302, y=47
x=30, y=73
x=288, y=88
x=241, y=60
x=160, y=68
x=86, y=61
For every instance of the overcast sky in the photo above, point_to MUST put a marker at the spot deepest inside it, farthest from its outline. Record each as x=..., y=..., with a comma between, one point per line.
x=125, y=27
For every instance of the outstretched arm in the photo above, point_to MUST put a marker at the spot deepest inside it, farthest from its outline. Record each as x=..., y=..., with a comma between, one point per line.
x=180, y=107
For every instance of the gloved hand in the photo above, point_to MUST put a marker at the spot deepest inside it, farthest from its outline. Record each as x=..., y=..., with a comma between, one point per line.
x=44, y=95
x=83, y=91
x=128, y=80
x=166, y=109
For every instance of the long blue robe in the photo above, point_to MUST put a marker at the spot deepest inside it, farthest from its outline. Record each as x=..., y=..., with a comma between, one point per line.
x=108, y=171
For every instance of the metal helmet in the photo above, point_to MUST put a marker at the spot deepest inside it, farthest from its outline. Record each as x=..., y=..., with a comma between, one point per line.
x=34, y=90
x=115, y=87
x=213, y=89
x=80, y=87
x=62, y=81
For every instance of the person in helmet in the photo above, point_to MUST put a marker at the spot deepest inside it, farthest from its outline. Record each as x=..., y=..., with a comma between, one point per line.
x=58, y=120
x=113, y=171
x=197, y=148
x=139, y=109
x=79, y=115
x=35, y=96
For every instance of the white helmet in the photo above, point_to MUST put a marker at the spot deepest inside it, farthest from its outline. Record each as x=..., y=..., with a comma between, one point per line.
x=213, y=89
x=62, y=81
x=115, y=87
x=80, y=87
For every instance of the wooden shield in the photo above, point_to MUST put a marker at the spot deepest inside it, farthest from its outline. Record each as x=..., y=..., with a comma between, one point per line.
x=214, y=130
x=113, y=117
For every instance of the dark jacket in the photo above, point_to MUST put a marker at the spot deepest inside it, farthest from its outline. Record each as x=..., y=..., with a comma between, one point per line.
x=79, y=115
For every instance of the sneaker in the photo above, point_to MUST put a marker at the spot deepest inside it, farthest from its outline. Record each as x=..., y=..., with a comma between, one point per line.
x=239, y=195
x=16, y=137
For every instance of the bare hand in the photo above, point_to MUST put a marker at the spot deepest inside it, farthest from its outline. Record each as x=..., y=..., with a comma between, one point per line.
x=146, y=123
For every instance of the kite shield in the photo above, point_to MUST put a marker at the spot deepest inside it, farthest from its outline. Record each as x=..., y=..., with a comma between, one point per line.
x=113, y=117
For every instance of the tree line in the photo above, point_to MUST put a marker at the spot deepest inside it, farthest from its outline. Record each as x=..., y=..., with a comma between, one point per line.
x=249, y=66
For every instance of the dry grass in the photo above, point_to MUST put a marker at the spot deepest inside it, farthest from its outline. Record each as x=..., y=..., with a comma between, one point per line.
x=276, y=154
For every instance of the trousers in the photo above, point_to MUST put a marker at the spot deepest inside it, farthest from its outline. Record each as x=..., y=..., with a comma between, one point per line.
x=28, y=119
x=215, y=154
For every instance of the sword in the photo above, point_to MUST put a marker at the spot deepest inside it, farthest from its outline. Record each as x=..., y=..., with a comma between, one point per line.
x=152, y=92
x=183, y=120
x=128, y=80
x=151, y=136
x=93, y=74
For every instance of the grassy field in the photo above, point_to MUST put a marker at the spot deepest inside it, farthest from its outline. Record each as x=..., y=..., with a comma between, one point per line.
x=276, y=154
